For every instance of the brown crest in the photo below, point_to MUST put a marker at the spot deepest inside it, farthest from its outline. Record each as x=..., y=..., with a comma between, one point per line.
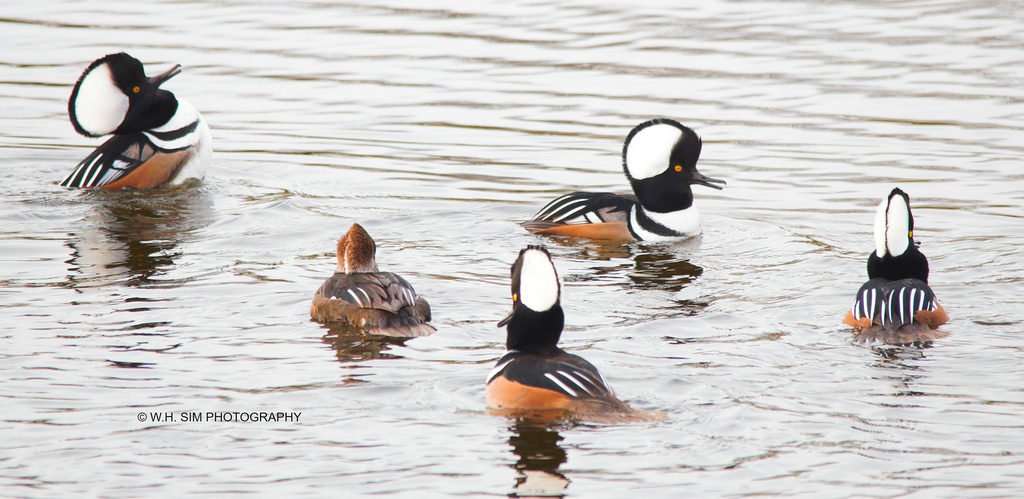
x=357, y=251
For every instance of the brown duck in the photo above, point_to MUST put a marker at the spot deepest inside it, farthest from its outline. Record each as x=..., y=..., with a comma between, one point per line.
x=360, y=296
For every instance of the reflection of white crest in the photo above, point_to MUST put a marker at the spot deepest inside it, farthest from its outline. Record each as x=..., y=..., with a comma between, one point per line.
x=897, y=233
x=648, y=153
x=538, y=281
x=539, y=483
x=99, y=106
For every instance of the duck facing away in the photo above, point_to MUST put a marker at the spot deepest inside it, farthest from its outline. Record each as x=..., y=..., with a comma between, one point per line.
x=660, y=160
x=158, y=139
x=535, y=374
x=360, y=296
x=896, y=305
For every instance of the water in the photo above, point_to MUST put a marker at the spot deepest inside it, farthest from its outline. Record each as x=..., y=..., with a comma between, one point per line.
x=439, y=127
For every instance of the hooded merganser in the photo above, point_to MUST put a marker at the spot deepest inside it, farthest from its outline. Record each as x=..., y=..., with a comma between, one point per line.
x=358, y=295
x=159, y=140
x=896, y=306
x=660, y=160
x=535, y=374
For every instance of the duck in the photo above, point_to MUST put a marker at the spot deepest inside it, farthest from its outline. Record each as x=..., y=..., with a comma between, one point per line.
x=157, y=139
x=535, y=374
x=659, y=158
x=896, y=305
x=361, y=297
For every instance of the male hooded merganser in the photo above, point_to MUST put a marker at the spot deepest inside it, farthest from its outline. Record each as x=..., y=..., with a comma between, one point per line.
x=535, y=374
x=660, y=161
x=896, y=306
x=159, y=140
x=360, y=296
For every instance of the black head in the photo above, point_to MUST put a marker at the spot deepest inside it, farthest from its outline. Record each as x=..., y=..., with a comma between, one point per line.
x=537, y=319
x=896, y=255
x=660, y=160
x=114, y=95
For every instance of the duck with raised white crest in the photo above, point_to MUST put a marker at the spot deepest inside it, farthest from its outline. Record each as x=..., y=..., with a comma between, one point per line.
x=896, y=305
x=158, y=139
x=660, y=160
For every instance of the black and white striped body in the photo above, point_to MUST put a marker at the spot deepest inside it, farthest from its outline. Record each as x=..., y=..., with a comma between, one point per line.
x=186, y=136
x=554, y=370
x=660, y=161
x=893, y=304
x=603, y=207
x=535, y=374
x=896, y=305
x=157, y=139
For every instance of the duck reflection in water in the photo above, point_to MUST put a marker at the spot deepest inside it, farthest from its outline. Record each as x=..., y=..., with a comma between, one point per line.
x=655, y=266
x=355, y=345
x=132, y=237
x=902, y=366
x=536, y=445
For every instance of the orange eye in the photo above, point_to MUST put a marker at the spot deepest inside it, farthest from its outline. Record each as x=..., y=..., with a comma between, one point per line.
x=911, y=234
x=679, y=168
x=136, y=89
x=515, y=296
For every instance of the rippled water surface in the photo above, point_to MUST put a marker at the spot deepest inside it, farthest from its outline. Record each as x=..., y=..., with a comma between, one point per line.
x=439, y=126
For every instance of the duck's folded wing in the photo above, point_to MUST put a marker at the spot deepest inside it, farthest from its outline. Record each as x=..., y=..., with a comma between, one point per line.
x=567, y=374
x=894, y=304
x=371, y=290
x=586, y=207
x=111, y=161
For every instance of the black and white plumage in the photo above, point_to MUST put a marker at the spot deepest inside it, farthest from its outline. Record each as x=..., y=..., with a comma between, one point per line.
x=896, y=305
x=158, y=140
x=567, y=374
x=893, y=304
x=535, y=374
x=660, y=160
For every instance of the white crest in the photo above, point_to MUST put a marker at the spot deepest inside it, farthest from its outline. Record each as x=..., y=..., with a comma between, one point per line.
x=897, y=232
x=648, y=153
x=538, y=281
x=880, y=228
x=99, y=106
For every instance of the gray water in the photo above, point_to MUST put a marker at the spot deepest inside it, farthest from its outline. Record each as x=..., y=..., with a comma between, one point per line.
x=439, y=126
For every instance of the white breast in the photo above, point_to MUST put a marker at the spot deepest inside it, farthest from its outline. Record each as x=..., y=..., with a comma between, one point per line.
x=685, y=222
x=199, y=141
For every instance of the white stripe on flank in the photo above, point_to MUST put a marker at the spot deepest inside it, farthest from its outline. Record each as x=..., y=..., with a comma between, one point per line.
x=558, y=205
x=497, y=369
x=874, y=294
x=890, y=300
x=903, y=319
x=910, y=303
x=547, y=208
x=94, y=170
x=369, y=301
x=561, y=385
x=575, y=381
x=920, y=303
x=571, y=210
x=355, y=297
